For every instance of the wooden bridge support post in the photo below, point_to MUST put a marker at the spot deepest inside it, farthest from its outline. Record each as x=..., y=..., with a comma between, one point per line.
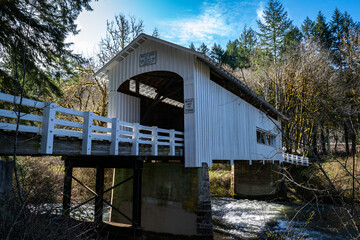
x=137, y=183
x=100, y=194
x=67, y=188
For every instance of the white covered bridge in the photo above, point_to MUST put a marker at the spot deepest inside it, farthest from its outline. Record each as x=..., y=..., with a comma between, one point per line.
x=164, y=100
x=172, y=113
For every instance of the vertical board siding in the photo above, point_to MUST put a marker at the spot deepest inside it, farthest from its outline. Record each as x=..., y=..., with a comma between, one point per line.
x=225, y=125
x=127, y=108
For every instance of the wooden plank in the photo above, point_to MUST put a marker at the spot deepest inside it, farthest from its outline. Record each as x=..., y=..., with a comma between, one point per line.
x=100, y=136
x=101, y=129
x=102, y=119
x=24, y=116
x=68, y=123
x=22, y=128
x=25, y=101
x=135, y=139
x=48, y=127
x=114, y=148
x=70, y=111
x=154, y=140
x=87, y=133
x=68, y=133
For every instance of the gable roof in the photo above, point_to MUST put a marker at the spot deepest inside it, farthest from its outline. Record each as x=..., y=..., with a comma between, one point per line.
x=246, y=93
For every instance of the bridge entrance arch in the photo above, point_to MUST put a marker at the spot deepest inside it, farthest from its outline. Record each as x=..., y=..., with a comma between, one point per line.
x=159, y=99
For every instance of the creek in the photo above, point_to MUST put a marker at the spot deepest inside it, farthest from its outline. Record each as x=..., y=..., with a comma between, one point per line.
x=251, y=219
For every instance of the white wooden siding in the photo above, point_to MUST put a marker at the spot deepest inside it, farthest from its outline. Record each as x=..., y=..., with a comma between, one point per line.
x=223, y=126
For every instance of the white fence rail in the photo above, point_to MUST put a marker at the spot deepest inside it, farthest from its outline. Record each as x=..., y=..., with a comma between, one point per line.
x=294, y=159
x=116, y=132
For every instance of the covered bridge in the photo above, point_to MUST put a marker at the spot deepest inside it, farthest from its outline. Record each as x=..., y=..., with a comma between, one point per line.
x=158, y=83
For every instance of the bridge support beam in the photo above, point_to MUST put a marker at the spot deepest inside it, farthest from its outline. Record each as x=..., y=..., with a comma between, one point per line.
x=67, y=187
x=99, y=188
x=175, y=199
x=259, y=180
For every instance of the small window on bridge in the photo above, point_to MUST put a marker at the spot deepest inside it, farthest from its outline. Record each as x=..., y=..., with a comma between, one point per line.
x=265, y=138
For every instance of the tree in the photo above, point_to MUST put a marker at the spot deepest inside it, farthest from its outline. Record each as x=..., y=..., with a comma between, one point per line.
x=156, y=32
x=217, y=53
x=307, y=28
x=322, y=31
x=32, y=43
x=192, y=46
x=292, y=40
x=203, y=49
x=272, y=33
x=119, y=33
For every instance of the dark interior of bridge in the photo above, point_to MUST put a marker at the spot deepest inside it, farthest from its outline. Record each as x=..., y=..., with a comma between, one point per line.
x=162, y=98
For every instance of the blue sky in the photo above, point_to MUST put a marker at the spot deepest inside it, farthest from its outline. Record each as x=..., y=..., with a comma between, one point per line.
x=186, y=21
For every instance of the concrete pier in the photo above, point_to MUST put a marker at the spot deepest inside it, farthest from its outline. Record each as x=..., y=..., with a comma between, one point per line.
x=175, y=199
x=255, y=181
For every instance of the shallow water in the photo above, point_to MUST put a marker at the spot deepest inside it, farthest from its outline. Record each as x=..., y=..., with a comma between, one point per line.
x=251, y=219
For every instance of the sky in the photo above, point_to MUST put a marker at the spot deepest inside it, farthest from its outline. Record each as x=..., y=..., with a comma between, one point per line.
x=197, y=21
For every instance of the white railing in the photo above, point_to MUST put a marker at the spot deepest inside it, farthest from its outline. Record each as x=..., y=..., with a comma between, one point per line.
x=116, y=132
x=294, y=159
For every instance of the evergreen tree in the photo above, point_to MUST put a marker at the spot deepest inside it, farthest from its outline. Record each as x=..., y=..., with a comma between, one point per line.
x=274, y=28
x=322, y=31
x=292, y=40
x=217, y=53
x=308, y=28
x=272, y=33
x=192, y=46
x=232, y=53
x=32, y=43
x=203, y=49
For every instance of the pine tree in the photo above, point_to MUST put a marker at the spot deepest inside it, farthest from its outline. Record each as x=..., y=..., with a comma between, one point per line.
x=192, y=46
x=322, y=31
x=274, y=28
x=292, y=40
x=272, y=33
x=203, y=49
x=217, y=53
x=307, y=28
x=32, y=38
x=232, y=54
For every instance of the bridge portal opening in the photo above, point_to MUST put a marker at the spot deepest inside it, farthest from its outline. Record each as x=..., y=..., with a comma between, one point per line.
x=161, y=95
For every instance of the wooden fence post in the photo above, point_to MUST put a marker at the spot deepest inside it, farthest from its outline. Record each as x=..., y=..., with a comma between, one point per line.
x=87, y=133
x=172, y=143
x=154, y=140
x=48, y=125
x=115, y=131
x=135, y=139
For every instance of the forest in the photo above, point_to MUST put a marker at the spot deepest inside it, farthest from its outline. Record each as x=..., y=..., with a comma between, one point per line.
x=310, y=73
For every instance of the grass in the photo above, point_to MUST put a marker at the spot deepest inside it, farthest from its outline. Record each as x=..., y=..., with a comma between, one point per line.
x=220, y=180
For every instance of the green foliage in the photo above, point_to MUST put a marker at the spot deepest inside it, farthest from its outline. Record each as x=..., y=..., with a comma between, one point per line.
x=32, y=42
x=274, y=27
x=220, y=180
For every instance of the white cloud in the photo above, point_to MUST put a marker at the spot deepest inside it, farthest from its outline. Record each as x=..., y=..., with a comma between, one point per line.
x=218, y=20
x=260, y=12
x=211, y=22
